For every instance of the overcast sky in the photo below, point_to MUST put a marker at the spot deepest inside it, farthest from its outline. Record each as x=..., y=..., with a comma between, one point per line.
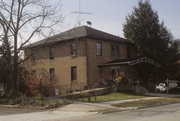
x=109, y=15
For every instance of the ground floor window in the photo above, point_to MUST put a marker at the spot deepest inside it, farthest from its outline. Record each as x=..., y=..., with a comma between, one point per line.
x=33, y=72
x=52, y=74
x=115, y=71
x=73, y=73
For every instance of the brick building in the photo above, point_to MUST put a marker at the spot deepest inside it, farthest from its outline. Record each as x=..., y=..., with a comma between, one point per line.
x=80, y=57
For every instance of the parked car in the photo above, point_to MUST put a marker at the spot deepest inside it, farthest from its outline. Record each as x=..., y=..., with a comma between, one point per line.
x=161, y=87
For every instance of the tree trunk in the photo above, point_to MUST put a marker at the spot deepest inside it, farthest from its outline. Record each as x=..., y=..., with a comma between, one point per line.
x=9, y=68
x=15, y=66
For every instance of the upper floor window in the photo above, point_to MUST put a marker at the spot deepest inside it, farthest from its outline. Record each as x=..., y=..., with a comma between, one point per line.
x=99, y=49
x=128, y=52
x=33, y=57
x=114, y=50
x=52, y=74
x=51, y=52
x=73, y=73
x=73, y=49
x=25, y=53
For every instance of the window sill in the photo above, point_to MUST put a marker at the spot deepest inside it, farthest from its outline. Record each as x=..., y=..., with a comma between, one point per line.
x=74, y=81
x=99, y=55
x=51, y=59
x=73, y=56
x=115, y=57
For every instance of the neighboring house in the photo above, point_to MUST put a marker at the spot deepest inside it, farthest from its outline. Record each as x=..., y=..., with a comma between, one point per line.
x=80, y=58
x=178, y=45
x=178, y=49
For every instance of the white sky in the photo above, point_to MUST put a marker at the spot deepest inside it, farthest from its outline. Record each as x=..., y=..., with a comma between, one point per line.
x=109, y=15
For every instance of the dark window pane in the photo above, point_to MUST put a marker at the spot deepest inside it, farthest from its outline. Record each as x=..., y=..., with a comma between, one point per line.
x=33, y=72
x=52, y=74
x=33, y=57
x=115, y=73
x=114, y=50
x=73, y=73
x=128, y=52
x=51, y=52
x=73, y=49
x=99, y=49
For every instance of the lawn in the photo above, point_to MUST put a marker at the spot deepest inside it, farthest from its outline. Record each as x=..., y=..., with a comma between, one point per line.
x=111, y=97
x=150, y=102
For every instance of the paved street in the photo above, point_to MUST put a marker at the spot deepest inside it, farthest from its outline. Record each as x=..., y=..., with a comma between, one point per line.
x=161, y=113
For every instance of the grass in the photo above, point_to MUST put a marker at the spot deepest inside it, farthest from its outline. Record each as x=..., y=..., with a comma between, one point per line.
x=111, y=97
x=148, y=103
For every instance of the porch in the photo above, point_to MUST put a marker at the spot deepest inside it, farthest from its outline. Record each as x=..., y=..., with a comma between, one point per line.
x=110, y=71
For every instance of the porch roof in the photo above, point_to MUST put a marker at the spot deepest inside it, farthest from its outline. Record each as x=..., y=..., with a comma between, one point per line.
x=117, y=62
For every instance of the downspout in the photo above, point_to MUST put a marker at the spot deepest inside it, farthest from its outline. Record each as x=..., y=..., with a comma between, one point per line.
x=87, y=64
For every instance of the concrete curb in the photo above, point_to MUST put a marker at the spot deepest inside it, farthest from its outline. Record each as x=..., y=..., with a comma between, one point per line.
x=10, y=106
x=119, y=110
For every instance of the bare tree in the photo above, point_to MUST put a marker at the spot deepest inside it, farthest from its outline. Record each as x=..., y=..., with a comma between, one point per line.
x=20, y=22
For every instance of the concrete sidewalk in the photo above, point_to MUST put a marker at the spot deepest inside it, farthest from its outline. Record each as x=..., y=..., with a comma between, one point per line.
x=129, y=100
x=162, y=95
x=56, y=114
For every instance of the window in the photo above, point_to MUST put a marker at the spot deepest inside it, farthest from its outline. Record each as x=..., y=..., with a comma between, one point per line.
x=115, y=73
x=25, y=53
x=114, y=50
x=51, y=52
x=128, y=52
x=99, y=49
x=33, y=72
x=33, y=57
x=73, y=73
x=73, y=49
x=52, y=74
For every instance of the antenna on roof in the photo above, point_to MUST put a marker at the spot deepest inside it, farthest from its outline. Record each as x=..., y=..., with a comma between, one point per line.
x=89, y=23
x=80, y=13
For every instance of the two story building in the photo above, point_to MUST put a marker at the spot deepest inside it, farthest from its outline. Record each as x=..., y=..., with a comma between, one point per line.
x=79, y=58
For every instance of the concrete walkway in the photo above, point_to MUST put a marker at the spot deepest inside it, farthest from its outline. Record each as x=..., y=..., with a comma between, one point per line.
x=85, y=107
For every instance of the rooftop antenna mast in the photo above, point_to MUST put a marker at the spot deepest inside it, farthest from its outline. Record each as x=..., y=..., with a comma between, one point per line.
x=80, y=13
